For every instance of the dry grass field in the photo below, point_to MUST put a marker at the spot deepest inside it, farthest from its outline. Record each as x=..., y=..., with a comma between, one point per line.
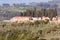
x=39, y=30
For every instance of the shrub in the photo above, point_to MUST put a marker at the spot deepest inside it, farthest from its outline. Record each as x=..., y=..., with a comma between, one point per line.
x=46, y=21
x=20, y=24
x=49, y=31
x=37, y=22
x=40, y=31
x=42, y=21
x=31, y=23
x=42, y=39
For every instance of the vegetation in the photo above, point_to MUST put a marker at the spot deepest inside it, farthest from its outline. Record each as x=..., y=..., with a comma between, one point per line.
x=9, y=12
x=38, y=30
x=40, y=13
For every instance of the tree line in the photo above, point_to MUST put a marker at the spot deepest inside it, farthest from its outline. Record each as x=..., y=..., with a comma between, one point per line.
x=40, y=13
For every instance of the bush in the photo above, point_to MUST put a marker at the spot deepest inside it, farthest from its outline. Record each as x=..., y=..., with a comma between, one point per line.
x=42, y=21
x=37, y=22
x=46, y=21
x=49, y=31
x=40, y=31
x=42, y=39
x=31, y=23
x=20, y=24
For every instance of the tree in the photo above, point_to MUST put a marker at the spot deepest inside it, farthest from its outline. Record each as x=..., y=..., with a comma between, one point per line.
x=43, y=12
x=51, y=13
x=34, y=12
x=28, y=12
